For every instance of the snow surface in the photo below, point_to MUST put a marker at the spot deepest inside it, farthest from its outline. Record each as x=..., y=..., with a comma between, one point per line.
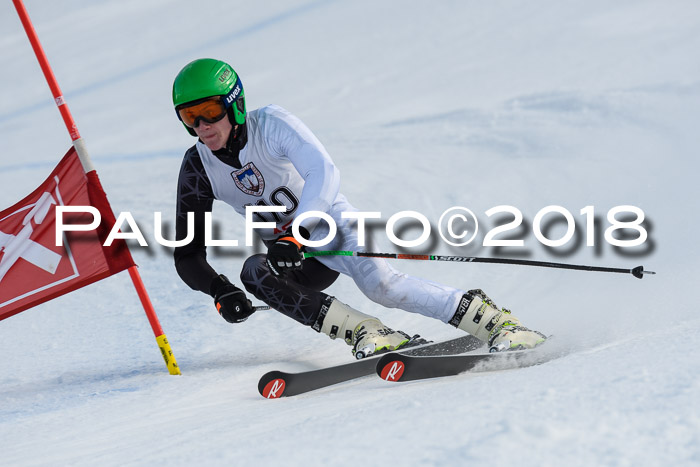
x=423, y=107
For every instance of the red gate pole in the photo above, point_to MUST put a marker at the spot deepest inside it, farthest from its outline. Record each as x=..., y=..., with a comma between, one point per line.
x=81, y=149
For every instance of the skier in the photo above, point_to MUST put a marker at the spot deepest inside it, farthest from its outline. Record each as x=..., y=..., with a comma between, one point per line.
x=268, y=157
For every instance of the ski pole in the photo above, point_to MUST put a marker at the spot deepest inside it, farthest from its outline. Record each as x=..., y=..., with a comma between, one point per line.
x=637, y=272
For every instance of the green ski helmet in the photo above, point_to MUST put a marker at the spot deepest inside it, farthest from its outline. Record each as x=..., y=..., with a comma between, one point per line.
x=205, y=78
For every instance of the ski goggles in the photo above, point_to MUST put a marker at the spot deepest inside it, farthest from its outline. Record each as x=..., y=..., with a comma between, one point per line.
x=210, y=110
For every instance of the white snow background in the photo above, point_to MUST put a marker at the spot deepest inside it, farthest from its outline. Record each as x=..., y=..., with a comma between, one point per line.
x=423, y=106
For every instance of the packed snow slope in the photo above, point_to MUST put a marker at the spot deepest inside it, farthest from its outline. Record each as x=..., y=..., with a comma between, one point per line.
x=423, y=106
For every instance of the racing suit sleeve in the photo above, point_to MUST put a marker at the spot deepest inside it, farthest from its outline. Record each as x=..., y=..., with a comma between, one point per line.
x=194, y=194
x=287, y=136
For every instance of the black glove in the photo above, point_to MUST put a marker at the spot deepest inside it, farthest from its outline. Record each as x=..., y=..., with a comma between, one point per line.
x=231, y=302
x=286, y=253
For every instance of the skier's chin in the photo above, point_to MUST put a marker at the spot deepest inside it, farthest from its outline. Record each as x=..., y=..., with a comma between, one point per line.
x=212, y=142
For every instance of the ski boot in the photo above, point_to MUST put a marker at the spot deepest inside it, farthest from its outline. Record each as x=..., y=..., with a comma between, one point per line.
x=480, y=317
x=366, y=334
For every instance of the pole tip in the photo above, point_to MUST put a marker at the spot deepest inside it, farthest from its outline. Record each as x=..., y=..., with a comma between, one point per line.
x=639, y=272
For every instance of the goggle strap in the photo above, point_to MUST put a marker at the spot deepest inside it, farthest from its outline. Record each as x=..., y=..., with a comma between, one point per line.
x=232, y=96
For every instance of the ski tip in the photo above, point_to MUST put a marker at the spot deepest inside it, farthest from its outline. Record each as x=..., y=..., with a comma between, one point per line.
x=392, y=370
x=272, y=385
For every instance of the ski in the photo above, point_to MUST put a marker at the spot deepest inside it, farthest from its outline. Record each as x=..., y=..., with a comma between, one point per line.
x=402, y=367
x=275, y=384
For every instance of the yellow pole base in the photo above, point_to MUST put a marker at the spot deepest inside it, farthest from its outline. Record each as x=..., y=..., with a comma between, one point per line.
x=168, y=356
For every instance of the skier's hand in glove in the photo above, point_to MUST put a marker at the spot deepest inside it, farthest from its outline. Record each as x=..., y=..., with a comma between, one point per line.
x=231, y=302
x=286, y=253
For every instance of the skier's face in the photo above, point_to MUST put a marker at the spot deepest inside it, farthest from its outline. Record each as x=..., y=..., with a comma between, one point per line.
x=214, y=135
